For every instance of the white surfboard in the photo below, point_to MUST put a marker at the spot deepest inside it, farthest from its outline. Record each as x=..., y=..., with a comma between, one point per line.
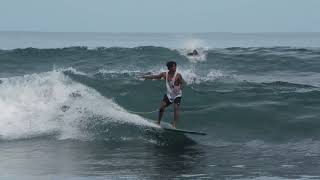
x=167, y=127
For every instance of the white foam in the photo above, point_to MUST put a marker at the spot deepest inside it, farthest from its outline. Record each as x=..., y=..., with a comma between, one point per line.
x=192, y=77
x=309, y=177
x=201, y=57
x=192, y=175
x=239, y=166
x=105, y=71
x=31, y=105
x=194, y=44
x=288, y=166
x=74, y=71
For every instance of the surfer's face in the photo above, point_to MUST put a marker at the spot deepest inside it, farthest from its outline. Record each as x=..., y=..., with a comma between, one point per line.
x=173, y=68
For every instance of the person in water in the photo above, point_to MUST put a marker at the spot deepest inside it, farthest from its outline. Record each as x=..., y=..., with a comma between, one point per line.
x=193, y=53
x=174, y=90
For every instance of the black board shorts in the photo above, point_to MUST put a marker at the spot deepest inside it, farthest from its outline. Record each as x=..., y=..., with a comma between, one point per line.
x=177, y=100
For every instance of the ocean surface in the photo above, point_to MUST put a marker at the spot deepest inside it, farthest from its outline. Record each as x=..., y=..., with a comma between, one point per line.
x=74, y=106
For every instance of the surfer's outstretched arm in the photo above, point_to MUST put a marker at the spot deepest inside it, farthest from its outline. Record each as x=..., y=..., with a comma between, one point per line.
x=158, y=76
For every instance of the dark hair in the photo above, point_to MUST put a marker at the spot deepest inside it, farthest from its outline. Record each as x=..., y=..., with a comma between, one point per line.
x=170, y=64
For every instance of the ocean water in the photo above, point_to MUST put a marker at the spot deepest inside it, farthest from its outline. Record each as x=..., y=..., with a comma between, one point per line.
x=74, y=106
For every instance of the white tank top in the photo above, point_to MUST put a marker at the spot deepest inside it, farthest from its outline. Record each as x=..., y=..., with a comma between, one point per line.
x=172, y=90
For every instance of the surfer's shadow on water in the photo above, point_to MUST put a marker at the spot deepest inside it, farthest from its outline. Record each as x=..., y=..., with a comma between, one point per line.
x=175, y=154
x=173, y=161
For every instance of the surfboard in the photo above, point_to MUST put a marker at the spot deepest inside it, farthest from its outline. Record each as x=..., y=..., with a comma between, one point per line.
x=185, y=131
x=167, y=127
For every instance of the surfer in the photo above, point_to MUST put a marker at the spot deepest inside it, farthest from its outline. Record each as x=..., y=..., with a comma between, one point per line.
x=174, y=90
x=193, y=53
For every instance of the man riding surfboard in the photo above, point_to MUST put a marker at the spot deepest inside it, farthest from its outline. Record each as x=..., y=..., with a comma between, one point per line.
x=174, y=90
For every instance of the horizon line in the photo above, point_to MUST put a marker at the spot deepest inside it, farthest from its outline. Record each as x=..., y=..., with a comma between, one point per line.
x=141, y=32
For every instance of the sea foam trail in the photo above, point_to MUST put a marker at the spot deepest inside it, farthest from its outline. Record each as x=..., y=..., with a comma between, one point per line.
x=51, y=103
